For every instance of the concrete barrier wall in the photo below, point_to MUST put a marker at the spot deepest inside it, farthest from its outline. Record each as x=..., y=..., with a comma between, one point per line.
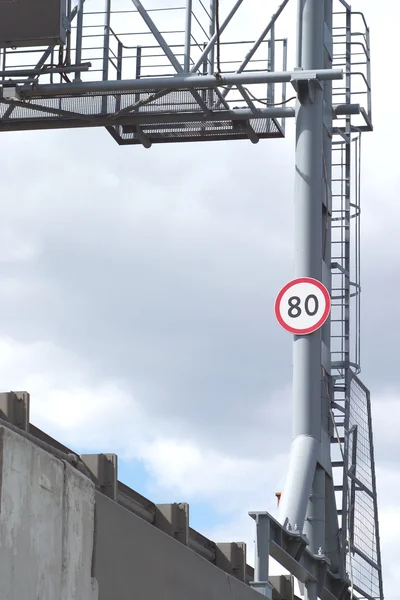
x=56, y=532
x=133, y=559
x=46, y=525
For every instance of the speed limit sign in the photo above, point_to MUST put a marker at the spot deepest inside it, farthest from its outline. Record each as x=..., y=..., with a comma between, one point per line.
x=302, y=306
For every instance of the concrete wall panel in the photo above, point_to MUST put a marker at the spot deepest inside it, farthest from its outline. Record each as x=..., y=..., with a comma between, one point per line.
x=133, y=559
x=46, y=524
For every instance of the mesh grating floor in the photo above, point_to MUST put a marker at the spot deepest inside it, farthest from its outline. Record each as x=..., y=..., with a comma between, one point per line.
x=169, y=117
x=200, y=131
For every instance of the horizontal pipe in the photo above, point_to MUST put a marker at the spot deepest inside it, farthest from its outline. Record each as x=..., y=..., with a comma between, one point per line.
x=135, y=508
x=44, y=71
x=141, y=119
x=173, y=83
x=346, y=109
x=201, y=550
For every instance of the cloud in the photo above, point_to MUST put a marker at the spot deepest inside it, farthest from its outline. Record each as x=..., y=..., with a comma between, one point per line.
x=136, y=302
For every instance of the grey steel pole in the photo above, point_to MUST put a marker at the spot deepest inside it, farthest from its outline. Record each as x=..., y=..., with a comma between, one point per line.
x=261, y=566
x=305, y=479
x=106, y=40
x=79, y=28
x=309, y=194
x=172, y=83
x=211, y=58
x=188, y=36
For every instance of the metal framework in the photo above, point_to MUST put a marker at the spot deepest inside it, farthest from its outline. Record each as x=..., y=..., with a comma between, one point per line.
x=181, y=81
x=173, y=75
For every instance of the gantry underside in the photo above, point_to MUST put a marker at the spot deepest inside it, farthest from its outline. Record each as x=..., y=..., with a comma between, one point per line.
x=174, y=117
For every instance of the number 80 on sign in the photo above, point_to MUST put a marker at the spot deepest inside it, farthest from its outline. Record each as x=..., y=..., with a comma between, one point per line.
x=302, y=306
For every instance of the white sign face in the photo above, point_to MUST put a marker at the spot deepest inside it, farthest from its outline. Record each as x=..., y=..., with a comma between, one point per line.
x=302, y=306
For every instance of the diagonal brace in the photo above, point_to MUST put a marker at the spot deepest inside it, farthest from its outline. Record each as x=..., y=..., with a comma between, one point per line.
x=213, y=39
x=160, y=39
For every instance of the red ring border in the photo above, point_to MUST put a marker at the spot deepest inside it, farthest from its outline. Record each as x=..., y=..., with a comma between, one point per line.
x=322, y=320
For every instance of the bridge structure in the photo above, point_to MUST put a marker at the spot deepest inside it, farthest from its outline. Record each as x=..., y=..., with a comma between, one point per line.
x=180, y=73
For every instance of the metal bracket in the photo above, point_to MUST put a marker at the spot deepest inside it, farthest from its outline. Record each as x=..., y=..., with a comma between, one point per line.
x=14, y=406
x=231, y=558
x=289, y=549
x=104, y=468
x=265, y=588
x=305, y=83
x=173, y=519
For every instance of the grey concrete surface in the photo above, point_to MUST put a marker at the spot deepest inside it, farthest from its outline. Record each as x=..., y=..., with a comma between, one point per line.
x=46, y=525
x=133, y=559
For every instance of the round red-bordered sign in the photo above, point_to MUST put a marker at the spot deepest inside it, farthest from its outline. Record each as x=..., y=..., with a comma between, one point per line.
x=302, y=306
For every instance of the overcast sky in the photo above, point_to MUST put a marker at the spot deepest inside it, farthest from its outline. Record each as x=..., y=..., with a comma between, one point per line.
x=136, y=304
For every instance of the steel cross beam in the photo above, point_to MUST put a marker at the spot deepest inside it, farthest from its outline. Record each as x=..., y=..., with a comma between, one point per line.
x=213, y=39
x=167, y=50
x=289, y=548
x=179, y=82
x=258, y=43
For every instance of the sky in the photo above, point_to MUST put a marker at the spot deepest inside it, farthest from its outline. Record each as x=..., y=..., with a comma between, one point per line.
x=136, y=304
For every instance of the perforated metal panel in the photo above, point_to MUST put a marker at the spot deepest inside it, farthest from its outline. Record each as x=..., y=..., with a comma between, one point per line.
x=363, y=557
x=32, y=22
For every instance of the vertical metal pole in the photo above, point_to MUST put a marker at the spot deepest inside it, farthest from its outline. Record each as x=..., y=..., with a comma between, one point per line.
x=106, y=48
x=188, y=36
x=79, y=31
x=68, y=40
x=138, y=68
x=261, y=564
x=271, y=64
x=305, y=485
x=120, y=54
x=310, y=409
x=205, y=63
x=308, y=217
x=211, y=56
x=368, y=41
x=299, y=40
x=106, y=39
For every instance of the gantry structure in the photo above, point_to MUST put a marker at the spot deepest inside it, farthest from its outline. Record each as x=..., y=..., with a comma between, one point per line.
x=180, y=73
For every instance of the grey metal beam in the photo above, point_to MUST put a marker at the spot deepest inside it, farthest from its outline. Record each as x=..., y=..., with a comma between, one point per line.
x=79, y=32
x=260, y=40
x=290, y=550
x=307, y=358
x=211, y=31
x=158, y=36
x=106, y=38
x=247, y=98
x=212, y=41
x=40, y=71
x=257, y=44
x=138, y=119
x=179, y=82
x=188, y=35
